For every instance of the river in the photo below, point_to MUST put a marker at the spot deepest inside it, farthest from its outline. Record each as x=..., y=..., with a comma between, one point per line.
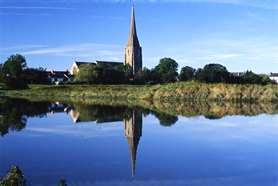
x=119, y=144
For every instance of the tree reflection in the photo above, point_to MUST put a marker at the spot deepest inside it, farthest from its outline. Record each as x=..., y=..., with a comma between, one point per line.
x=165, y=119
x=14, y=113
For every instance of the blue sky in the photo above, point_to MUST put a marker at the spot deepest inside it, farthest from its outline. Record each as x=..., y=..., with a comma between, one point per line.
x=239, y=34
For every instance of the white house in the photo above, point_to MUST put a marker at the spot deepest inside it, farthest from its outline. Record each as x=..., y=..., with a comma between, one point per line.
x=59, y=76
x=274, y=77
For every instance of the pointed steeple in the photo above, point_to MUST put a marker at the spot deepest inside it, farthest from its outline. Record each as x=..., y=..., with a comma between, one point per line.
x=133, y=51
x=132, y=39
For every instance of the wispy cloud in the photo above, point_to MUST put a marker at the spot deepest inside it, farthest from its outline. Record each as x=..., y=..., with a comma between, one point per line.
x=258, y=4
x=255, y=16
x=22, y=47
x=106, y=17
x=85, y=50
x=220, y=56
x=71, y=48
x=36, y=7
x=26, y=14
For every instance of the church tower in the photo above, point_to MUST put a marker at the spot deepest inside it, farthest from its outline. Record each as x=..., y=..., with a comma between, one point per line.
x=133, y=51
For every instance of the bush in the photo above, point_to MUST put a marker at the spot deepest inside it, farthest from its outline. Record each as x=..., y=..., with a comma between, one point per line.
x=213, y=73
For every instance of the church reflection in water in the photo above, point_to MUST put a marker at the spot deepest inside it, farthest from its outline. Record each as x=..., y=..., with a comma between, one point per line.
x=133, y=132
x=132, y=124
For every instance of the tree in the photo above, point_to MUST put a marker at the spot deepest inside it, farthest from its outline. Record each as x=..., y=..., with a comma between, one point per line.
x=14, y=177
x=264, y=79
x=104, y=74
x=252, y=78
x=124, y=73
x=187, y=73
x=35, y=76
x=86, y=73
x=14, y=65
x=213, y=73
x=167, y=70
x=143, y=76
x=165, y=119
x=11, y=72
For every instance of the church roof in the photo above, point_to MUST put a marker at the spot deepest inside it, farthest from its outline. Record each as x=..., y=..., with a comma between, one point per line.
x=132, y=39
x=110, y=63
x=78, y=63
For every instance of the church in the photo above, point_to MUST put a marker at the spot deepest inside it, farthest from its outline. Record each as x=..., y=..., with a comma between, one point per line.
x=132, y=53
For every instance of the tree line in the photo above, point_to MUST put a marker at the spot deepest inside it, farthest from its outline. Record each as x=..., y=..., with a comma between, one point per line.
x=165, y=72
x=14, y=74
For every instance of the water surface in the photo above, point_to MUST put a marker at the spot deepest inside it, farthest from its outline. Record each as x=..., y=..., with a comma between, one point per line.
x=93, y=144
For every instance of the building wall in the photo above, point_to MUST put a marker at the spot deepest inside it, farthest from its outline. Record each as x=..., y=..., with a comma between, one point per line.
x=275, y=79
x=74, y=69
x=133, y=57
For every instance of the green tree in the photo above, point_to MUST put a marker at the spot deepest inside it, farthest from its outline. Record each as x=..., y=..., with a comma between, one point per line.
x=14, y=65
x=36, y=76
x=252, y=78
x=14, y=178
x=85, y=73
x=264, y=79
x=11, y=72
x=167, y=70
x=124, y=73
x=213, y=73
x=104, y=74
x=187, y=73
x=143, y=76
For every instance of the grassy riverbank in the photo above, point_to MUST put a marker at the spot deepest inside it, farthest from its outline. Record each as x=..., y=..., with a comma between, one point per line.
x=179, y=91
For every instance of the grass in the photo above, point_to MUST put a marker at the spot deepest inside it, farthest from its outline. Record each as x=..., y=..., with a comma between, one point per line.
x=179, y=91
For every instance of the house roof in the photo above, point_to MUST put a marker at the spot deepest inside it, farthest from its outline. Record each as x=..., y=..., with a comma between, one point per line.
x=237, y=73
x=273, y=74
x=59, y=74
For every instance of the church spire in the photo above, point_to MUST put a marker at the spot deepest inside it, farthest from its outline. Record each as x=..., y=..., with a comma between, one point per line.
x=132, y=39
x=133, y=51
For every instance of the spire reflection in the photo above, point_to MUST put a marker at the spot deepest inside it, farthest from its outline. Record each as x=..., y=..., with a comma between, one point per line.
x=133, y=132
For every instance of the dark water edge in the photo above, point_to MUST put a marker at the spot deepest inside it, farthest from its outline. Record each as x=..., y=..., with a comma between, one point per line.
x=15, y=110
x=176, y=107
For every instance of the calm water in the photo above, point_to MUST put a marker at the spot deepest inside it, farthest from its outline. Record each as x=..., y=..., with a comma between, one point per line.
x=104, y=145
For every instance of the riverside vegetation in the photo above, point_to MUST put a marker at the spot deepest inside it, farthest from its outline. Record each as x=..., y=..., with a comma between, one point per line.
x=178, y=91
x=212, y=83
